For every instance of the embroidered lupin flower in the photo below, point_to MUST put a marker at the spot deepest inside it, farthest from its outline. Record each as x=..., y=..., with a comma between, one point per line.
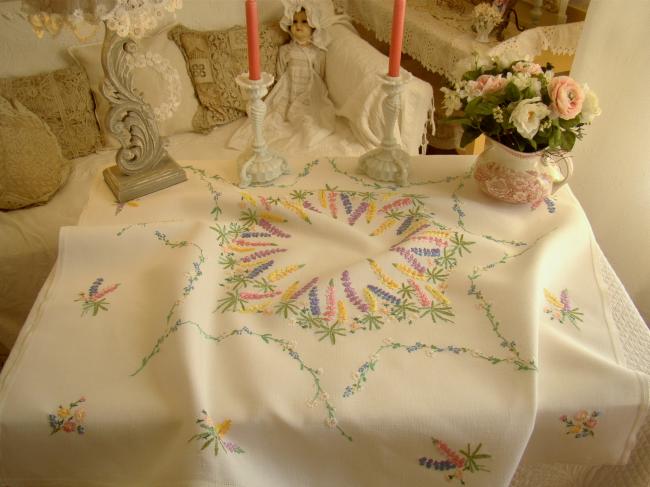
x=389, y=222
x=259, y=269
x=253, y=296
x=370, y=299
x=262, y=253
x=332, y=203
x=272, y=229
x=406, y=223
x=399, y=203
x=282, y=273
x=437, y=294
x=330, y=300
x=423, y=299
x=372, y=210
x=357, y=213
x=351, y=294
x=385, y=295
x=214, y=435
x=347, y=204
x=383, y=277
x=296, y=209
x=424, y=252
x=563, y=310
x=314, y=305
x=255, y=235
x=311, y=284
x=455, y=463
x=410, y=258
x=322, y=195
x=306, y=204
x=342, y=313
x=95, y=299
x=68, y=419
x=287, y=295
x=409, y=272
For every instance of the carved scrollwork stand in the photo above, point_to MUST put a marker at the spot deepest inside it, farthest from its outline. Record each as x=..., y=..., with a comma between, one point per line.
x=142, y=163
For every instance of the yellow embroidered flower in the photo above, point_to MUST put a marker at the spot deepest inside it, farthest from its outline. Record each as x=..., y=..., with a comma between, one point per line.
x=552, y=299
x=249, y=198
x=383, y=277
x=296, y=209
x=272, y=217
x=438, y=295
x=371, y=300
x=291, y=290
x=342, y=315
x=372, y=210
x=63, y=412
x=224, y=427
x=282, y=273
x=408, y=271
x=322, y=196
x=383, y=227
x=79, y=415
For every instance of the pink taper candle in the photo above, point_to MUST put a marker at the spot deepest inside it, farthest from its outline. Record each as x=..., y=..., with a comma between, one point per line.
x=253, y=40
x=397, y=35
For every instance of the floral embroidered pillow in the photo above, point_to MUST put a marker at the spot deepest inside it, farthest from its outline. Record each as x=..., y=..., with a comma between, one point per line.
x=63, y=100
x=32, y=167
x=214, y=59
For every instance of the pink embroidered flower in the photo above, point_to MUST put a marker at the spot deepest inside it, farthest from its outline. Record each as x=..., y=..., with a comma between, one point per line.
x=69, y=426
x=487, y=83
x=581, y=415
x=566, y=97
x=527, y=67
x=591, y=423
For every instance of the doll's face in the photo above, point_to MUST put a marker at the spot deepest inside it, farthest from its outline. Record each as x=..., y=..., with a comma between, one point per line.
x=300, y=29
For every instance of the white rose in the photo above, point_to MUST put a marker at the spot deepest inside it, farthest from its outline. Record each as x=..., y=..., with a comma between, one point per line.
x=527, y=116
x=451, y=101
x=590, y=106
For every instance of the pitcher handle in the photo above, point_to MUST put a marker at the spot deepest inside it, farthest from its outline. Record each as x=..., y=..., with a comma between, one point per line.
x=568, y=163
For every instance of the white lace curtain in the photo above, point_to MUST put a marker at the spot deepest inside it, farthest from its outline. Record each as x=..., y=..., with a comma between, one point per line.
x=126, y=17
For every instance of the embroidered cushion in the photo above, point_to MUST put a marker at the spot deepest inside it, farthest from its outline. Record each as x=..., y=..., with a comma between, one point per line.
x=214, y=59
x=159, y=74
x=63, y=100
x=32, y=167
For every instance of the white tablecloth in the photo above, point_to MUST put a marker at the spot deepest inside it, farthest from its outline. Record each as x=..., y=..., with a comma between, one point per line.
x=327, y=330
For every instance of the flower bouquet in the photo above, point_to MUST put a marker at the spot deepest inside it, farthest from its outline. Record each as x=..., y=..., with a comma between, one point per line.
x=520, y=104
x=531, y=119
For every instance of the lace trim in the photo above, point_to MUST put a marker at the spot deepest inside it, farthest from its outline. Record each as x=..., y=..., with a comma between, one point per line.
x=439, y=34
x=170, y=76
x=635, y=341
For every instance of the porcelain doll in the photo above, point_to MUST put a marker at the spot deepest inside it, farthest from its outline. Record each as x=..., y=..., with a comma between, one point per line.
x=299, y=111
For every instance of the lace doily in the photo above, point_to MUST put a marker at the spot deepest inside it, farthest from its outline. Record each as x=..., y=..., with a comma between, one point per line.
x=439, y=34
x=170, y=76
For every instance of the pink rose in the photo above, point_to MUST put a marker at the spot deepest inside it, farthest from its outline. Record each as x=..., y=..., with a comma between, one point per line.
x=486, y=83
x=566, y=97
x=527, y=67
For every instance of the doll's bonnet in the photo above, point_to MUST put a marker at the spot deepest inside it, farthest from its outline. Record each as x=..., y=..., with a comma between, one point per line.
x=320, y=36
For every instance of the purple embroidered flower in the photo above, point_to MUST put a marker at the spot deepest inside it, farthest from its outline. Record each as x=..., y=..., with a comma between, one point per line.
x=305, y=288
x=408, y=257
x=347, y=204
x=259, y=269
x=306, y=204
x=272, y=229
x=255, y=235
x=261, y=253
x=405, y=225
x=313, y=301
x=92, y=291
x=351, y=294
x=564, y=299
x=423, y=252
x=357, y=213
x=385, y=295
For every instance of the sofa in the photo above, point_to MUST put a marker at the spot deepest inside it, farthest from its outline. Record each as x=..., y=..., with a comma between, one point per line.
x=49, y=73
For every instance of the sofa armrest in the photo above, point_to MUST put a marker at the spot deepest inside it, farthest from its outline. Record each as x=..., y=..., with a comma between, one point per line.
x=353, y=67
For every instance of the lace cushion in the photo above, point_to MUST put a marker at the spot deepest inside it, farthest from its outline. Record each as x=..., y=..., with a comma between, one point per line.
x=148, y=80
x=32, y=167
x=214, y=59
x=63, y=100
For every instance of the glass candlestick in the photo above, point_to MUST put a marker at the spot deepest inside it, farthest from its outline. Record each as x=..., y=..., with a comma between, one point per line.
x=388, y=162
x=263, y=166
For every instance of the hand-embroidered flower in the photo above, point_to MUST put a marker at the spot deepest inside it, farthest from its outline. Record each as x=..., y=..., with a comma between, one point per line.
x=214, y=435
x=95, y=299
x=561, y=308
x=455, y=463
x=69, y=419
x=582, y=424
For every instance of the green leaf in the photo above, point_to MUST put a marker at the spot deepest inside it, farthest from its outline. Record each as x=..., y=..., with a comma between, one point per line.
x=207, y=443
x=568, y=140
x=469, y=135
x=512, y=92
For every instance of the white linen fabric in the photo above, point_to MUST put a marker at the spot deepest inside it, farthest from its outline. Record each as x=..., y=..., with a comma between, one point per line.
x=456, y=335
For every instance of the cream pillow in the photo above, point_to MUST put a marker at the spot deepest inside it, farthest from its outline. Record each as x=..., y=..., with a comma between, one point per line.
x=146, y=80
x=32, y=167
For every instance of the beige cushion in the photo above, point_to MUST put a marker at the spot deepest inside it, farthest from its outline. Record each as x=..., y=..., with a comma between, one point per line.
x=145, y=80
x=214, y=59
x=32, y=167
x=61, y=98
